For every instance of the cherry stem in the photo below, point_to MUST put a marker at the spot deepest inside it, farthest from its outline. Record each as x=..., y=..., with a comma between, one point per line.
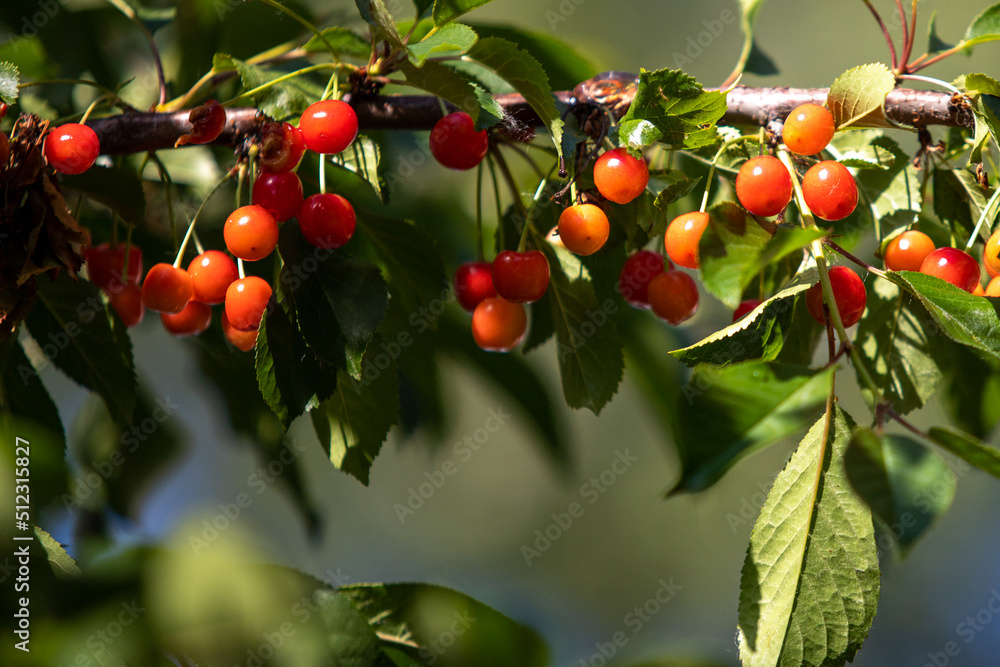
x=864, y=265
x=281, y=79
x=929, y=79
x=197, y=243
x=714, y=162
x=514, y=192
x=309, y=26
x=322, y=174
x=479, y=212
x=194, y=220
x=982, y=218
x=90, y=109
x=906, y=36
x=239, y=267
x=885, y=33
x=496, y=198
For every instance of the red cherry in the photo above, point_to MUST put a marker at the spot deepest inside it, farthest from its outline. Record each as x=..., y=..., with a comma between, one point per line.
x=745, y=308
x=207, y=122
x=105, y=264
x=498, y=325
x=251, y=232
x=991, y=255
x=127, y=302
x=619, y=176
x=808, y=129
x=166, y=289
x=848, y=291
x=583, y=229
x=246, y=301
x=954, y=266
x=521, y=276
x=327, y=220
x=637, y=271
x=473, y=284
x=281, y=147
x=764, y=186
x=673, y=296
x=191, y=321
x=212, y=272
x=71, y=148
x=328, y=126
x=455, y=143
x=281, y=194
x=829, y=190
x=683, y=236
x=241, y=340
x=908, y=251
x=3, y=110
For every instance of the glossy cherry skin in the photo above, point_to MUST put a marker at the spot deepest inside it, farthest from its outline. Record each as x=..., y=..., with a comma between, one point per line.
x=251, y=233
x=808, y=129
x=212, y=272
x=455, y=143
x=908, y=251
x=281, y=194
x=327, y=220
x=848, y=291
x=637, y=271
x=620, y=177
x=246, y=302
x=241, y=340
x=522, y=277
x=683, y=236
x=745, y=308
x=764, y=186
x=105, y=265
x=166, y=289
x=281, y=148
x=193, y=320
x=207, y=122
x=71, y=148
x=991, y=255
x=829, y=190
x=474, y=283
x=954, y=266
x=328, y=126
x=673, y=296
x=583, y=229
x=498, y=325
x=127, y=302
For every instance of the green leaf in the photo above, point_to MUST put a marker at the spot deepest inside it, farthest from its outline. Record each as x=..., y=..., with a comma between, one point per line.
x=749, y=9
x=72, y=327
x=906, y=485
x=894, y=341
x=857, y=97
x=345, y=42
x=971, y=390
x=810, y=583
x=670, y=186
x=22, y=393
x=10, y=79
x=671, y=107
x=984, y=28
x=422, y=6
x=364, y=158
x=956, y=195
x=449, y=10
x=934, y=43
x=561, y=61
x=763, y=403
x=760, y=335
x=377, y=15
x=450, y=84
x=62, y=564
x=118, y=188
x=732, y=236
x=350, y=637
x=452, y=38
x=282, y=100
x=354, y=422
x=897, y=188
x=985, y=92
x=968, y=448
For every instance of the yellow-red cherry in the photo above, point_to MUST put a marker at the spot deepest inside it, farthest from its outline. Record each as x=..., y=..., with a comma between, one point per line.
x=328, y=126
x=455, y=143
x=583, y=229
x=829, y=190
x=683, y=236
x=991, y=255
x=954, y=266
x=241, y=340
x=848, y=291
x=166, y=289
x=808, y=129
x=619, y=176
x=993, y=288
x=764, y=186
x=251, y=232
x=673, y=296
x=212, y=272
x=908, y=251
x=498, y=325
x=246, y=302
x=191, y=321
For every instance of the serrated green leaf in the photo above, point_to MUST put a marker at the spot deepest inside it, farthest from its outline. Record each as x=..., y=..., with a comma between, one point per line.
x=732, y=236
x=934, y=43
x=118, y=188
x=968, y=448
x=10, y=79
x=375, y=13
x=71, y=325
x=364, y=158
x=897, y=188
x=447, y=83
x=810, y=583
x=282, y=100
x=449, y=10
x=453, y=38
x=984, y=28
x=563, y=64
x=671, y=107
x=763, y=403
x=62, y=564
x=906, y=485
x=671, y=185
x=345, y=42
x=857, y=97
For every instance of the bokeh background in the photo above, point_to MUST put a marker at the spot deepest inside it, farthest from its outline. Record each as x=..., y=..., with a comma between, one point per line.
x=470, y=532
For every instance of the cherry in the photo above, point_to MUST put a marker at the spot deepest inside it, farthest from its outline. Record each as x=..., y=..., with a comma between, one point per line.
x=207, y=122
x=250, y=232
x=583, y=229
x=979, y=291
x=281, y=194
x=241, y=340
x=637, y=271
x=907, y=251
x=246, y=301
x=683, y=236
x=808, y=129
x=71, y=148
x=745, y=308
x=764, y=186
x=212, y=272
x=673, y=296
x=498, y=325
x=993, y=288
x=954, y=266
x=521, y=276
x=191, y=321
x=991, y=255
x=166, y=289
x=105, y=264
x=829, y=190
x=473, y=284
x=281, y=147
x=619, y=176
x=327, y=220
x=328, y=126
x=3, y=110
x=455, y=143
x=848, y=291
x=127, y=302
